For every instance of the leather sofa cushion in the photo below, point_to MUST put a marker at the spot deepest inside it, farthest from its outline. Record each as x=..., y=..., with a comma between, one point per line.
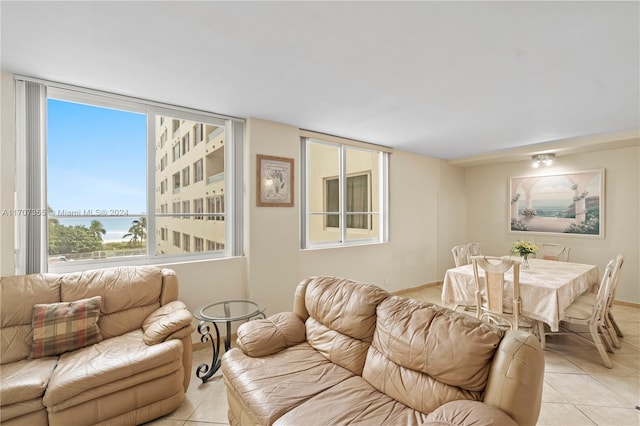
x=412, y=388
x=102, y=408
x=274, y=384
x=468, y=413
x=25, y=380
x=342, y=318
x=352, y=401
x=424, y=356
x=18, y=294
x=344, y=305
x=15, y=342
x=22, y=409
x=107, y=362
x=339, y=348
x=24, y=414
x=267, y=336
x=121, y=288
x=167, y=322
x=64, y=326
x=129, y=295
x=449, y=346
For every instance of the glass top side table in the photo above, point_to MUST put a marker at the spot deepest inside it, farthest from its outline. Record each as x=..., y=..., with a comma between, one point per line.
x=224, y=312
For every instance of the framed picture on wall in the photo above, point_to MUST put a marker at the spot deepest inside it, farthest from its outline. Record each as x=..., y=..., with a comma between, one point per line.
x=569, y=203
x=274, y=181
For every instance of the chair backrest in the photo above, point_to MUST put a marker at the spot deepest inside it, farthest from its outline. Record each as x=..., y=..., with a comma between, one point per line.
x=551, y=251
x=460, y=255
x=473, y=249
x=615, y=277
x=490, y=289
x=602, y=297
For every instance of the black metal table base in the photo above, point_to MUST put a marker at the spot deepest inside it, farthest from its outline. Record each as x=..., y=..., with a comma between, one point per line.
x=204, y=370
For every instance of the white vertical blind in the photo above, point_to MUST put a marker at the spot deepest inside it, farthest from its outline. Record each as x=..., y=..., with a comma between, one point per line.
x=237, y=134
x=31, y=198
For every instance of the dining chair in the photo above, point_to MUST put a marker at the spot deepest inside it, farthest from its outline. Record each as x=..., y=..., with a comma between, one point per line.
x=492, y=304
x=460, y=255
x=592, y=315
x=588, y=298
x=473, y=249
x=551, y=251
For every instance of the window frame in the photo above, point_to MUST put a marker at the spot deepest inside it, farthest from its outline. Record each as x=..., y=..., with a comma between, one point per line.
x=369, y=221
x=383, y=197
x=28, y=263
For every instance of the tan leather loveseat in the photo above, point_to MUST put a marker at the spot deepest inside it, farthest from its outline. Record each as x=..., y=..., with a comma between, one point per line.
x=135, y=369
x=351, y=353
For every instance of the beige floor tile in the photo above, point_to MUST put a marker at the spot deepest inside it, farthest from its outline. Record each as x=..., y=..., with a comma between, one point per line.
x=184, y=411
x=627, y=387
x=592, y=363
x=549, y=394
x=609, y=416
x=555, y=362
x=213, y=407
x=630, y=360
x=163, y=421
x=624, y=314
x=562, y=415
x=584, y=389
x=630, y=343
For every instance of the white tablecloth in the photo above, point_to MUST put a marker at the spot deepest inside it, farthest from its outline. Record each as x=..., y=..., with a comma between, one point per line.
x=546, y=288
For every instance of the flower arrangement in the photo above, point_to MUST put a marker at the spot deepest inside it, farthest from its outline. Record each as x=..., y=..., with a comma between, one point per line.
x=528, y=212
x=523, y=248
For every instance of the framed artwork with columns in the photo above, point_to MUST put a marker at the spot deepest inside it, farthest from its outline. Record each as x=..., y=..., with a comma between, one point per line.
x=570, y=203
x=274, y=181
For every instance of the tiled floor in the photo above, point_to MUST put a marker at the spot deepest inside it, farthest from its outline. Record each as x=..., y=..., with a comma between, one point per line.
x=578, y=389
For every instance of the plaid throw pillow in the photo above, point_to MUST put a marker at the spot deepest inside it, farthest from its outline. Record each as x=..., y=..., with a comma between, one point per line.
x=66, y=326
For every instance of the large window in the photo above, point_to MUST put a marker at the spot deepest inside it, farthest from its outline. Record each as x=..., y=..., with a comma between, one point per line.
x=97, y=168
x=345, y=193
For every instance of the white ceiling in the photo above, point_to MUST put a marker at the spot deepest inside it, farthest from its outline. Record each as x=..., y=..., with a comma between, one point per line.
x=446, y=79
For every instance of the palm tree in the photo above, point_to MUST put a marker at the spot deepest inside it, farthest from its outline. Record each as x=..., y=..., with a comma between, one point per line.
x=137, y=232
x=97, y=230
x=50, y=212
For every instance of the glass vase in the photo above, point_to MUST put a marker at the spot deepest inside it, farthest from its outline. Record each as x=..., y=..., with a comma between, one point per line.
x=525, y=261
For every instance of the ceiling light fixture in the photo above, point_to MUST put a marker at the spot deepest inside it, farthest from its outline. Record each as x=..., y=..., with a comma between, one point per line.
x=546, y=159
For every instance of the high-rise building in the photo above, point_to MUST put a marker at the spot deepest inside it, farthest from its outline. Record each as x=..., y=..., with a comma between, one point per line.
x=190, y=179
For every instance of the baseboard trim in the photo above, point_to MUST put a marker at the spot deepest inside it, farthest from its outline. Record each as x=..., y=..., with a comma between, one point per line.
x=623, y=303
x=417, y=288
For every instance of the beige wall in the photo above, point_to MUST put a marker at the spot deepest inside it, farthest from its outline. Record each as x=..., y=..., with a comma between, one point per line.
x=7, y=173
x=275, y=262
x=452, y=215
x=487, y=194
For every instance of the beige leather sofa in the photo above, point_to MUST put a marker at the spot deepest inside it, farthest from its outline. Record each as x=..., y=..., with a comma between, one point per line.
x=351, y=353
x=136, y=369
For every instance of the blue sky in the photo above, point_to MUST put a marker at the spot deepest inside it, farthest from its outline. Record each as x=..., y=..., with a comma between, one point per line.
x=96, y=158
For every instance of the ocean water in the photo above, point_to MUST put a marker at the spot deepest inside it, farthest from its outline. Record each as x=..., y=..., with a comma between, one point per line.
x=557, y=208
x=549, y=208
x=116, y=226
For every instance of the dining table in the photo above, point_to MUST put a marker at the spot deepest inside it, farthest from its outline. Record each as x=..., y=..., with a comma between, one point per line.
x=547, y=287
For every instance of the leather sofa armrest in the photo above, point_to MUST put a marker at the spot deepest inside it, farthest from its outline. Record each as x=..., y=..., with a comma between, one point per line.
x=267, y=336
x=468, y=413
x=516, y=377
x=171, y=321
